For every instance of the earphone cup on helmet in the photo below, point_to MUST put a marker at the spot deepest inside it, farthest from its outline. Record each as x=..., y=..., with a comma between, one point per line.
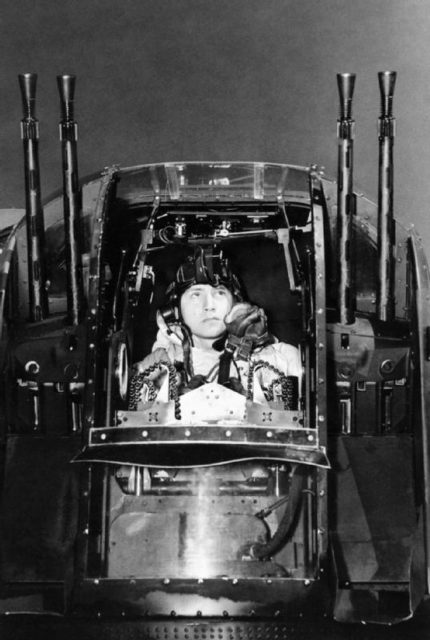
x=169, y=313
x=170, y=310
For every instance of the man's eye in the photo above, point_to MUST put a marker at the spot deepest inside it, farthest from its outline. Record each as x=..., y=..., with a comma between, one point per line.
x=195, y=294
x=221, y=292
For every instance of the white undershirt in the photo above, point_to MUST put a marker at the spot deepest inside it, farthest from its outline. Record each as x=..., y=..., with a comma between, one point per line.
x=205, y=362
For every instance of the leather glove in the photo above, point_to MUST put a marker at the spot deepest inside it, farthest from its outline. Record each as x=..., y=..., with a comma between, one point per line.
x=246, y=326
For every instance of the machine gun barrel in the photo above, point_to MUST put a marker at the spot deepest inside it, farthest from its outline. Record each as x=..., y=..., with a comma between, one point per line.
x=38, y=297
x=72, y=198
x=345, y=198
x=386, y=230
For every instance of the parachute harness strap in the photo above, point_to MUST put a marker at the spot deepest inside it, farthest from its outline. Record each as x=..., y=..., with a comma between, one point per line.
x=140, y=378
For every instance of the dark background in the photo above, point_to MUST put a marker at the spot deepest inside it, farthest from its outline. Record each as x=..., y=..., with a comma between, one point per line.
x=164, y=80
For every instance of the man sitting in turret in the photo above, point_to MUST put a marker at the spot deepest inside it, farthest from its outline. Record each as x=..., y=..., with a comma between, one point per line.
x=208, y=333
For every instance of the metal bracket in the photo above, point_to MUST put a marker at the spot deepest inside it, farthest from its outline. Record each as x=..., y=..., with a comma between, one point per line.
x=284, y=238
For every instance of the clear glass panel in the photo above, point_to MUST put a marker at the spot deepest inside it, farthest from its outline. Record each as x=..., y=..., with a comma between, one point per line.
x=205, y=180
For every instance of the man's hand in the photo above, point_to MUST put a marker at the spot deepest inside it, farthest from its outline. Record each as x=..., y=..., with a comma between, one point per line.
x=246, y=325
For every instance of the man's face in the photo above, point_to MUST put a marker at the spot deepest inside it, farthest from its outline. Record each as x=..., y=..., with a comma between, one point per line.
x=204, y=308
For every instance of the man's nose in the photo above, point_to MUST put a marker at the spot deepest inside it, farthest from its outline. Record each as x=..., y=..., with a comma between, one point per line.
x=209, y=301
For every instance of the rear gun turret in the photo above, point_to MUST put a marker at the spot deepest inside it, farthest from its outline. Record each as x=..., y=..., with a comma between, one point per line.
x=196, y=495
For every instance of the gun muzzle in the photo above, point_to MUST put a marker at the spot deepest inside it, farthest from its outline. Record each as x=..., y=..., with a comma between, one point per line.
x=66, y=87
x=71, y=199
x=38, y=297
x=345, y=84
x=386, y=231
x=387, y=82
x=345, y=200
